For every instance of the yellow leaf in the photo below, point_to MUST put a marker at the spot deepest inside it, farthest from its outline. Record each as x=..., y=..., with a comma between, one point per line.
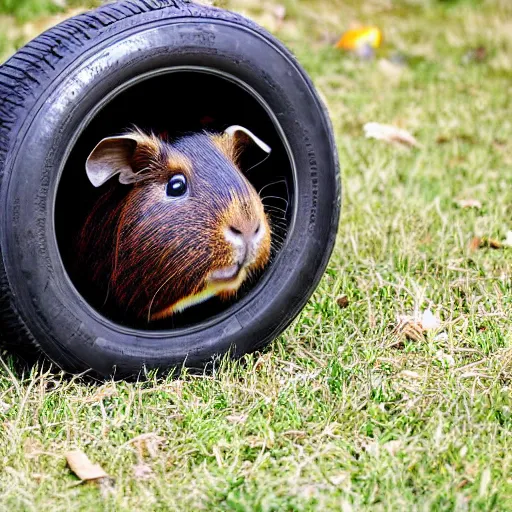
x=83, y=467
x=357, y=37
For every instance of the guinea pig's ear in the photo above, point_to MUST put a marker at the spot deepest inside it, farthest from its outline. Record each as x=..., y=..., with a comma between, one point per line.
x=110, y=157
x=242, y=136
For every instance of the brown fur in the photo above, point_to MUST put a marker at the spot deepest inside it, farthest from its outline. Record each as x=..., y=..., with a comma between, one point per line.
x=228, y=146
x=147, y=251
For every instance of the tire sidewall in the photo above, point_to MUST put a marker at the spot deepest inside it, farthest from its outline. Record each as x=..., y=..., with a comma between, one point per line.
x=60, y=320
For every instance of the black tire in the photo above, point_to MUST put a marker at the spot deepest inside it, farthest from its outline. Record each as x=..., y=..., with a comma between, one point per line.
x=46, y=90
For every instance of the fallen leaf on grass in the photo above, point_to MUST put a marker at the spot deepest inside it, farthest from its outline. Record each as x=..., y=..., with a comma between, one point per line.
x=357, y=37
x=343, y=302
x=463, y=483
x=414, y=328
x=469, y=203
x=390, y=134
x=409, y=328
x=83, y=468
x=142, y=471
x=484, y=242
x=474, y=245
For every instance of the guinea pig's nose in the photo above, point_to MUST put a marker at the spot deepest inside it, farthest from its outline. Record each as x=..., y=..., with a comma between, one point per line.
x=244, y=236
x=245, y=231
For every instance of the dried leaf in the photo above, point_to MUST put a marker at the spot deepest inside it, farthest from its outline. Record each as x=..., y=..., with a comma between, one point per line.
x=413, y=331
x=343, y=302
x=409, y=328
x=484, y=243
x=83, y=468
x=491, y=243
x=414, y=327
x=390, y=134
x=463, y=483
x=475, y=243
x=358, y=37
x=469, y=203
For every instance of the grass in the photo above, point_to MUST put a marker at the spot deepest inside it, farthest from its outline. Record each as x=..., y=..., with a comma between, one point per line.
x=335, y=415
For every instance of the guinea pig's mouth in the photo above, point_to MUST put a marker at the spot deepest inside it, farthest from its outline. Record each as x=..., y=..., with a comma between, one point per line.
x=225, y=281
x=225, y=274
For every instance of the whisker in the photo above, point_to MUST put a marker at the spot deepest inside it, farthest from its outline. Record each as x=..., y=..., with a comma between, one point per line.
x=270, y=185
x=258, y=164
x=275, y=208
x=263, y=199
x=279, y=240
x=279, y=222
x=154, y=296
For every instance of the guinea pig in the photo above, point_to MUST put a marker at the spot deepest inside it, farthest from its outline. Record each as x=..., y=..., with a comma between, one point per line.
x=186, y=225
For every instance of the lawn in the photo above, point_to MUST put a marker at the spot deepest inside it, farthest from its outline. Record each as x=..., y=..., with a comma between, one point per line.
x=347, y=410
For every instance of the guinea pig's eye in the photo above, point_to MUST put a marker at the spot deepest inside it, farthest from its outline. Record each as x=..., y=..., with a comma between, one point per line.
x=176, y=186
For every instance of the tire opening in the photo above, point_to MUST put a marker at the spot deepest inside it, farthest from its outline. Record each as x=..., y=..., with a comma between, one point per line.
x=175, y=103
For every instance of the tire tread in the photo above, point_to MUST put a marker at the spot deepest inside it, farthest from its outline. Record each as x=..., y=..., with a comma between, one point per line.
x=33, y=65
